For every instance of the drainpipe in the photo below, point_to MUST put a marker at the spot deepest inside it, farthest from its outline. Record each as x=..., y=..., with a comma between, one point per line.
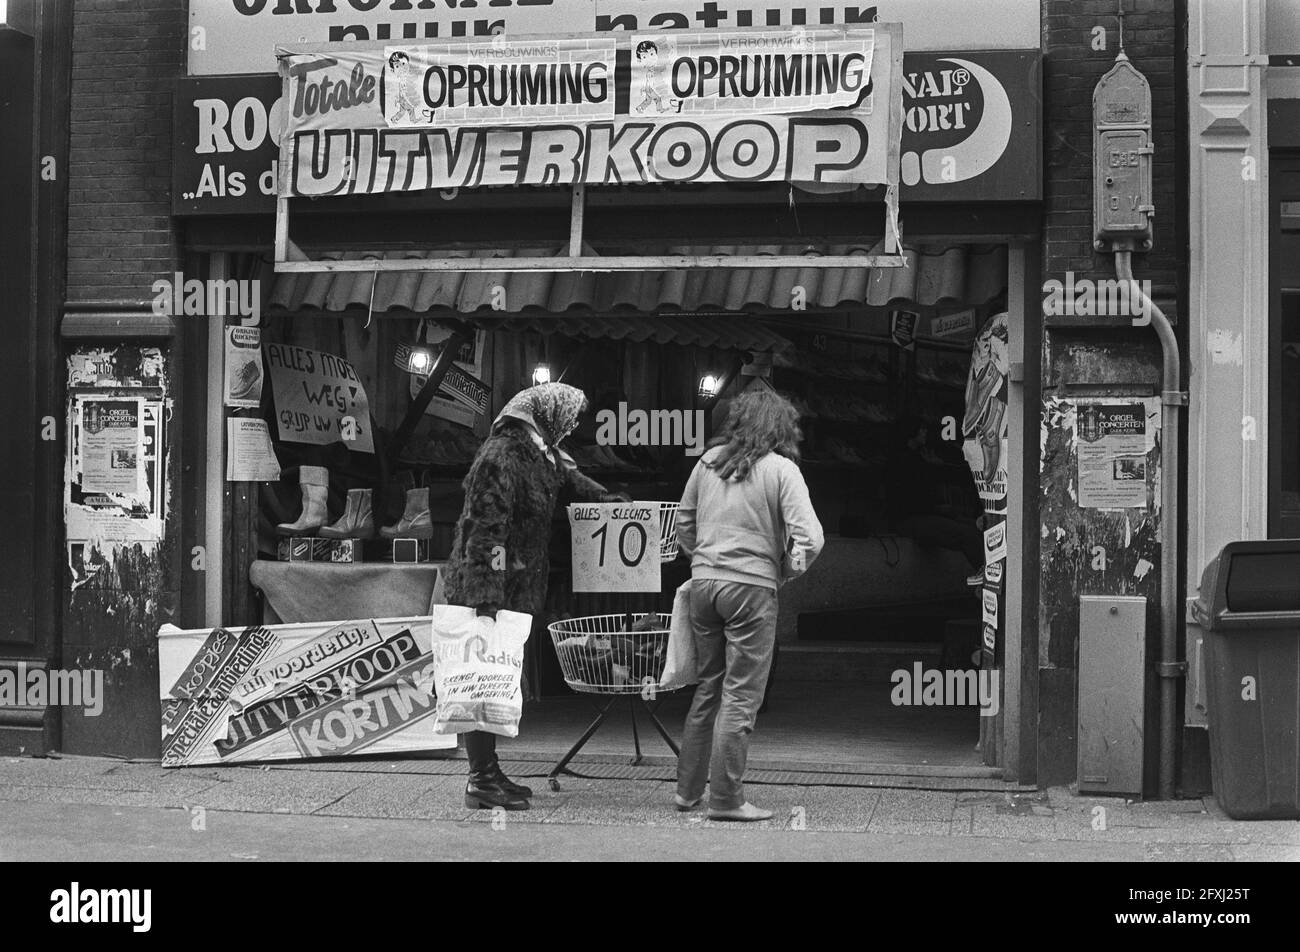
x=1169, y=668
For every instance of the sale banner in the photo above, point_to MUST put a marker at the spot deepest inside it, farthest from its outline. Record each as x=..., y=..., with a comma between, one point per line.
x=793, y=105
x=286, y=692
x=615, y=546
x=318, y=398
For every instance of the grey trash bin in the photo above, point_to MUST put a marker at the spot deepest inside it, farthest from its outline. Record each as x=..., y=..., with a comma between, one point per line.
x=1249, y=608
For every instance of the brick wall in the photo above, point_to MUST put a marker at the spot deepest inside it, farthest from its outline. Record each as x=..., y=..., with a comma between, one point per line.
x=125, y=57
x=1071, y=70
x=1116, y=358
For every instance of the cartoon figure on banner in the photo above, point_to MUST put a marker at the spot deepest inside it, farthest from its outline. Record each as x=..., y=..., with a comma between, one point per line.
x=985, y=426
x=647, y=63
x=408, y=103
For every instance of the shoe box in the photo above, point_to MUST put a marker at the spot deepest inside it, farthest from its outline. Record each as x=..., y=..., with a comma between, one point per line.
x=310, y=549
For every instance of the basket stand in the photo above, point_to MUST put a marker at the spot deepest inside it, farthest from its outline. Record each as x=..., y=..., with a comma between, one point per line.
x=602, y=711
x=668, y=550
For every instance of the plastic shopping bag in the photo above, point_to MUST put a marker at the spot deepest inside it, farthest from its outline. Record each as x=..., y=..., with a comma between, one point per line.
x=477, y=668
x=680, y=665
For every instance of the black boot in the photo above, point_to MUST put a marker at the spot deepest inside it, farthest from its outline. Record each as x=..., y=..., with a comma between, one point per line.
x=485, y=790
x=505, y=783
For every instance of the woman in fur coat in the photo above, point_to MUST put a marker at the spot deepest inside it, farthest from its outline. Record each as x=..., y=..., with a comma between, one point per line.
x=499, y=556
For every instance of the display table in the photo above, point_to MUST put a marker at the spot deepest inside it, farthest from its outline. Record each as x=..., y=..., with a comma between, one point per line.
x=322, y=591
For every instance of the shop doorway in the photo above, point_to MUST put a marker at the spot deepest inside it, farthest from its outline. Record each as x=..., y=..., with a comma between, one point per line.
x=893, y=419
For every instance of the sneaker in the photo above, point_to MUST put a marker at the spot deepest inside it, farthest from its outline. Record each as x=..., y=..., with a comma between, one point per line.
x=745, y=813
x=683, y=805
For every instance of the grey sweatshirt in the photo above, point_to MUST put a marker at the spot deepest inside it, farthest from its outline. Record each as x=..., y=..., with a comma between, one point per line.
x=760, y=531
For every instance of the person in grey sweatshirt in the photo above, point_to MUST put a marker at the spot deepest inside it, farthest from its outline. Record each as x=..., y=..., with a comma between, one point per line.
x=747, y=525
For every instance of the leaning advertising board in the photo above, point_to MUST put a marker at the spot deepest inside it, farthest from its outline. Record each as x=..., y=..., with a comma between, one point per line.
x=240, y=36
x=288, y=692
x=819, y=106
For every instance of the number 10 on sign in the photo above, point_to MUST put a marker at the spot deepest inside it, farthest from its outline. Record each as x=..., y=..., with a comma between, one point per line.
x=615, y=546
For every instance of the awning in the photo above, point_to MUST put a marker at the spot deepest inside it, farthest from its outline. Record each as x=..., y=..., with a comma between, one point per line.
x=935, y=276
x=725, y=331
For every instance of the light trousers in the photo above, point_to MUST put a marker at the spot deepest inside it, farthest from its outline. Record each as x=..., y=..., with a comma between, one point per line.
x=735, y=632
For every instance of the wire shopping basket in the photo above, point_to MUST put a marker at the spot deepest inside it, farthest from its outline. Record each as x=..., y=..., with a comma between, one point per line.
x=616, y=655
x=668, y=547
x=611, y=654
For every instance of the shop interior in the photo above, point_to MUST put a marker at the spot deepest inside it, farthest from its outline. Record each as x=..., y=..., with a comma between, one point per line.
x=878, y=363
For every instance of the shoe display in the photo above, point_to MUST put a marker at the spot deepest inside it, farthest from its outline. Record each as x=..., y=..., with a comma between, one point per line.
x=357, y=521
x=416, y=523
x=314, y=482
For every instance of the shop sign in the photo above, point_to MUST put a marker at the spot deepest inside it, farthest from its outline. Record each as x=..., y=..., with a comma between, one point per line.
x=227, y=140
x=615, y=546
x=764, y=106
x=228, y=133
x=240, y=36
x=971, y=126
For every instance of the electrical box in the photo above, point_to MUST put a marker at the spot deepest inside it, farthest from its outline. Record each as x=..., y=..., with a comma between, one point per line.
x=1112, y=688
x=1121, y=158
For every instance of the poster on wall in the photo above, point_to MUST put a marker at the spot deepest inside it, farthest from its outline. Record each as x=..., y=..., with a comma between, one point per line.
x=318, y=398
x=250, y=456
x=112, y=446
x=243, y=376
x=984, y=425
x=984, y=432
x=1113, y=441
x=627, y=108
x=291, y=692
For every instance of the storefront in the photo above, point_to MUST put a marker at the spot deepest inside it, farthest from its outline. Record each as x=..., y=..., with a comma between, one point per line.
x=323, y=369
x=862, y=350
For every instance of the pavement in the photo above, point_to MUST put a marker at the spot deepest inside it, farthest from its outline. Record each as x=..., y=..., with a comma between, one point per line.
x=86, y=808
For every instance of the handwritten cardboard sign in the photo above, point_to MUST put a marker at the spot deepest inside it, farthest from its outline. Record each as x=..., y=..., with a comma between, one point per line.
x=318, y=398
x=615, y=546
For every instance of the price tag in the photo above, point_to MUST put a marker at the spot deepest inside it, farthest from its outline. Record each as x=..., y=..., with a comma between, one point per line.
x=615, y=546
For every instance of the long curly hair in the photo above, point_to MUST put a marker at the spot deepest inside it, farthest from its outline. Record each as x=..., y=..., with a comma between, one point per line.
x=760, y=421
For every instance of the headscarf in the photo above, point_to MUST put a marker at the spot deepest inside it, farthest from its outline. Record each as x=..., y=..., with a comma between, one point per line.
x=551, y=409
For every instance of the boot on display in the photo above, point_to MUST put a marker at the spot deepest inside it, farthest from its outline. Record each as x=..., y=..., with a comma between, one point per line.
x=314, y=482
x=357, y=521
x=416, y=523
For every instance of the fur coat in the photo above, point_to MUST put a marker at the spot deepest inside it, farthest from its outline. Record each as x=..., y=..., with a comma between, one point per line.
x=499, y=556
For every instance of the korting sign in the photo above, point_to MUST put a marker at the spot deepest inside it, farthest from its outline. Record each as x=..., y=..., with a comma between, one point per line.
x=286, y=692
x=240, y=36
x=760, y=106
